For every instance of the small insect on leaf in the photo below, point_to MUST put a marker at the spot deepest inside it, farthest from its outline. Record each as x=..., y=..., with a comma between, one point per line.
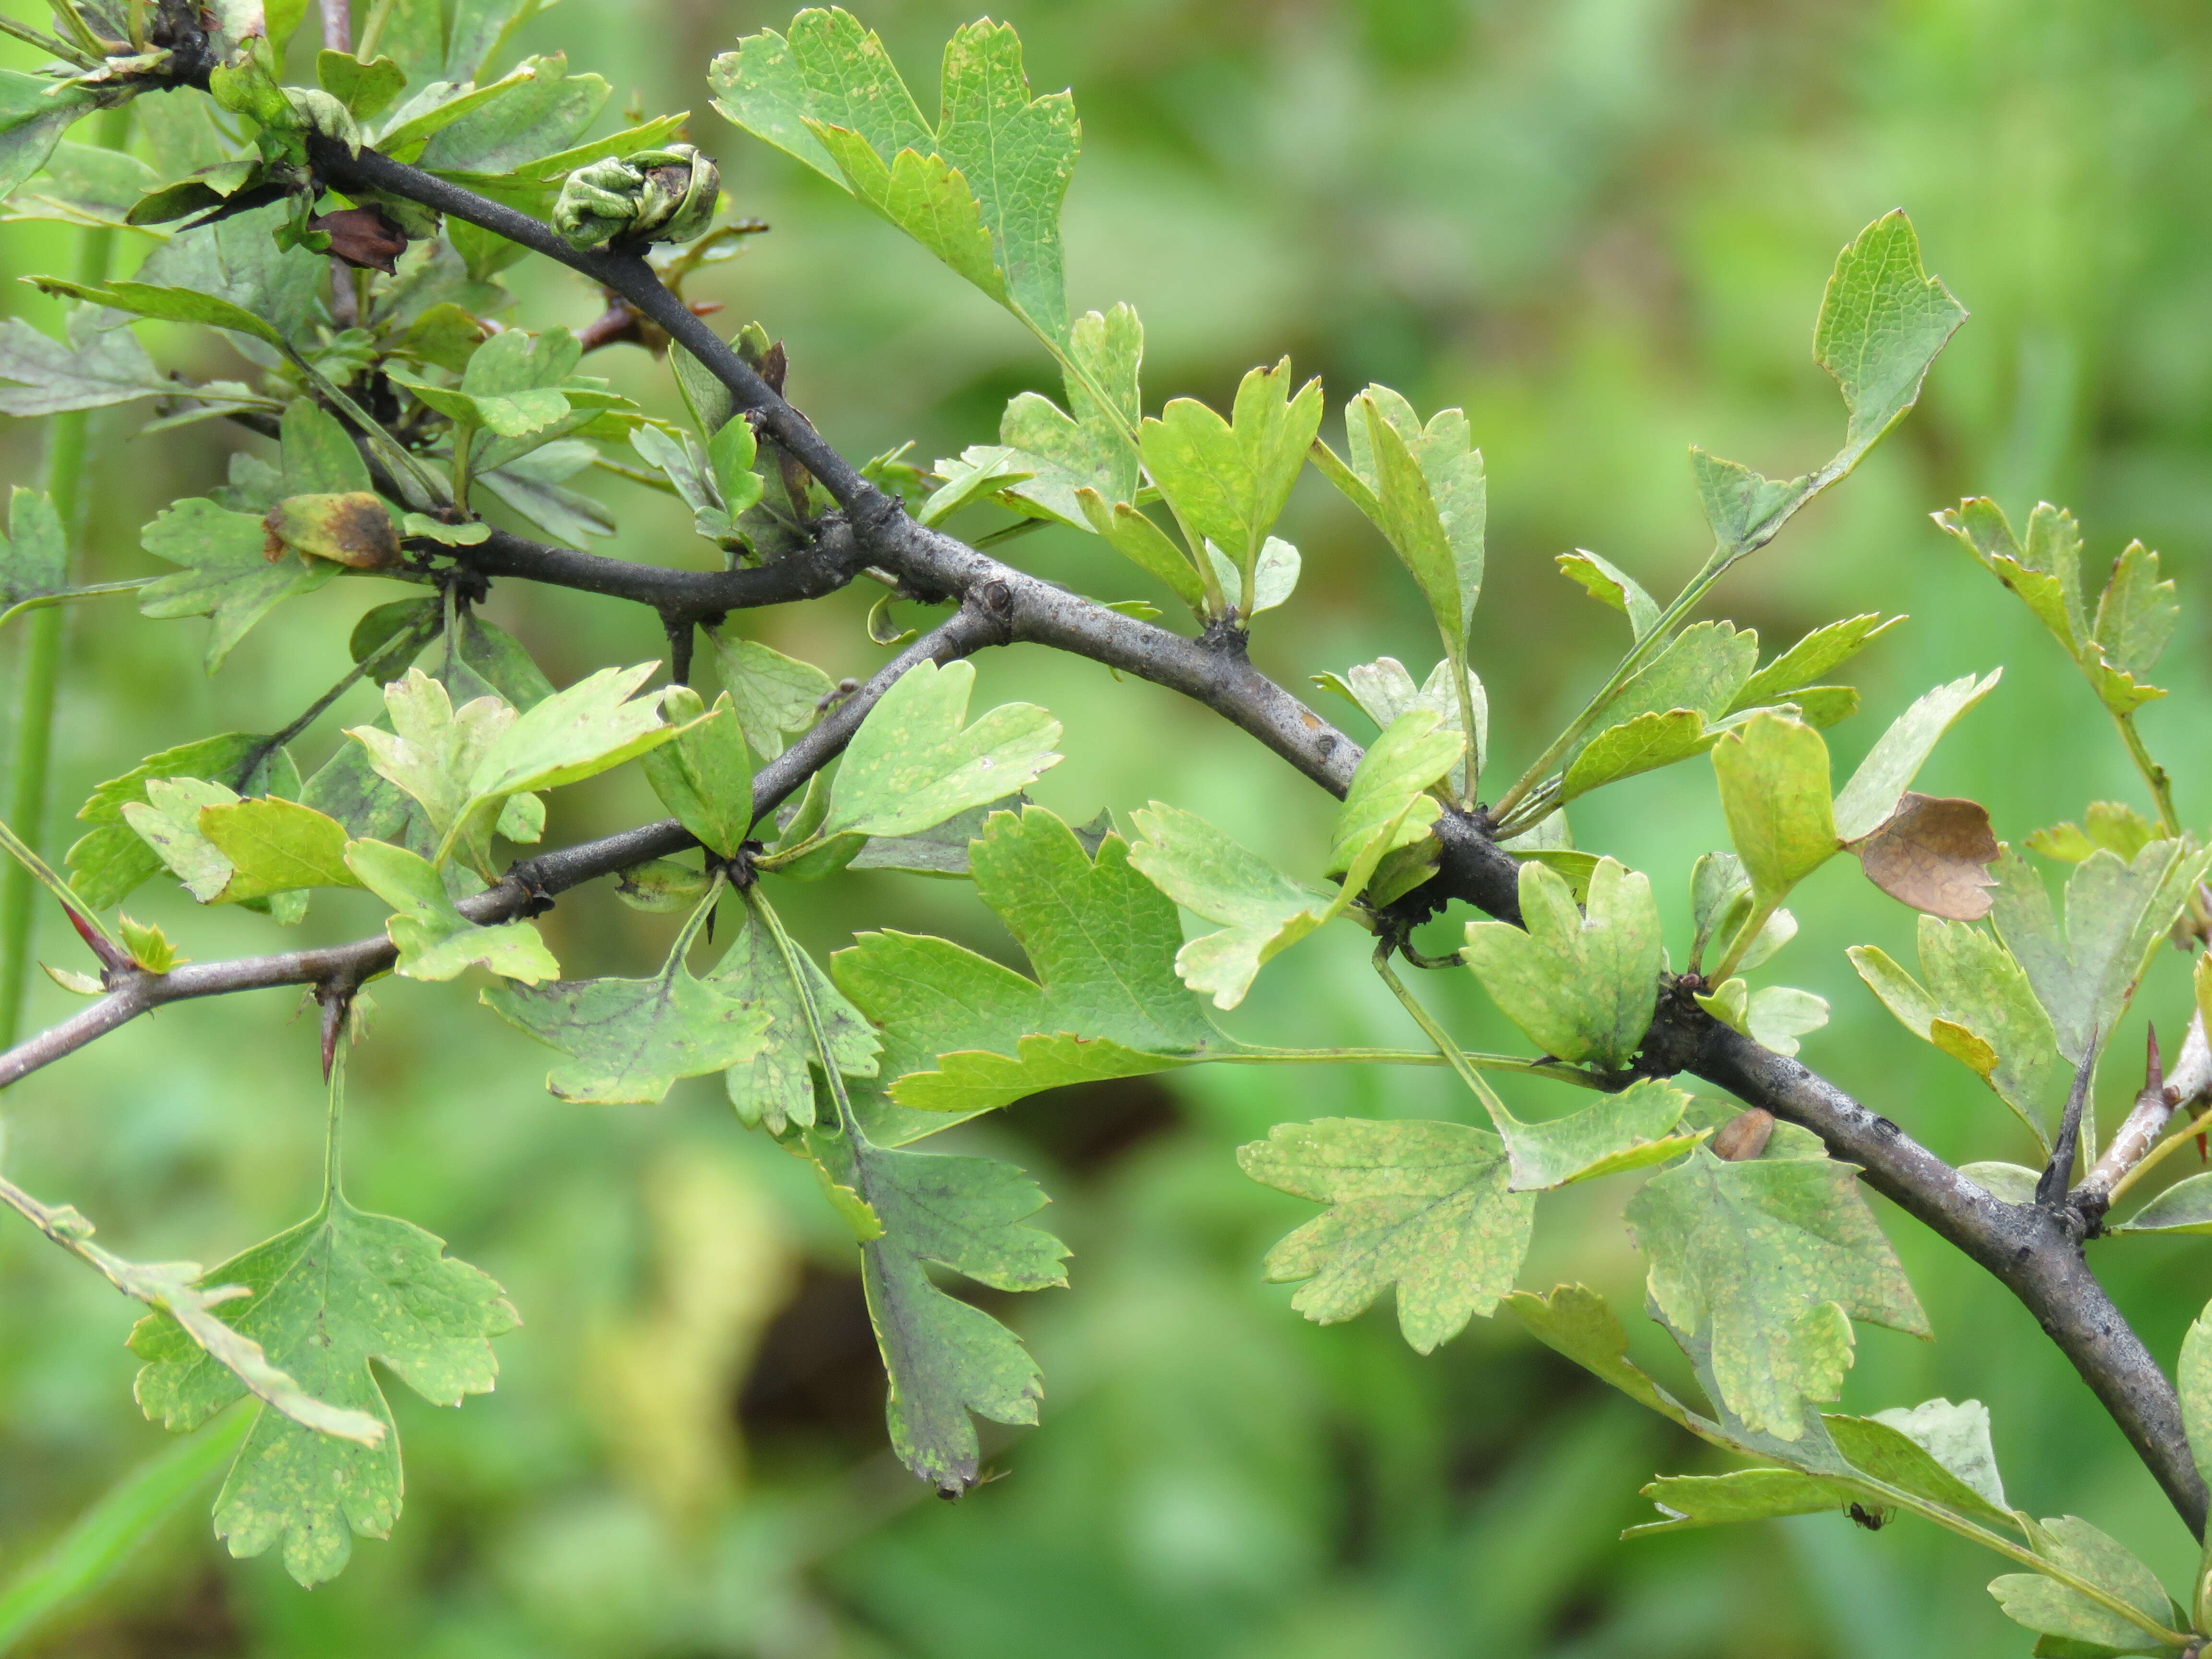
x=1744, y=1136
x=1874, y=1520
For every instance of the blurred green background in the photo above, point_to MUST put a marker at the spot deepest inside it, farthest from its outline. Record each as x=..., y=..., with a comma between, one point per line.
x=1603, y=227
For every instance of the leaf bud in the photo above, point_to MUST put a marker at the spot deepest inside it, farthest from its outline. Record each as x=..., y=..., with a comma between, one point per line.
x=654, y=196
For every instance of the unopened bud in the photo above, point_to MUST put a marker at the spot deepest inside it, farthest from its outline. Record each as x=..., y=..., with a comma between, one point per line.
x=654, y=196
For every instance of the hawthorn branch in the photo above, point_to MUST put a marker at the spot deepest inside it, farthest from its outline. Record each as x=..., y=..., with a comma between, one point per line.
x=339, y=969
x=2031, y=1250
x=830, y=562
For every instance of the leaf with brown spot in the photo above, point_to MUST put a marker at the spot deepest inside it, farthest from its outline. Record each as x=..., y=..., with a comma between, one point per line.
x=1932, y=854
x=351, y=527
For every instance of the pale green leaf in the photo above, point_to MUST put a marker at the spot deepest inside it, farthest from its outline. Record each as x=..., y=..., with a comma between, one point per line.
x=1274, y=577
x=1883, y=321
x=2046, y=570
x=1805, y=662
x=1769, y=1262
x=1689, y=1501
x=1608, y=583
x=2183, y=1207
x=1773, y=776
x=704, y=776
x=324, y=1299
x=110, y=861
x=2137, y=614
x=574, y=734
x=2117, y=915
x=2108, y=824
x=1423, y=488
x=1778, y=1015
x=434, y=940
x=996, y=167
x=1094, y=446
x=1891, y=765
x=1261, y=911
x=773, y=695
x=2015, y=1183
x=35, y=112
x=2044, y=1604
x=1422, y=1208
x=94, y=367
x=1582, y=986
x=433, y=750
x=536, y=109
x=979, y=472
x=275, y=845
x=1387, y=806
x=1630, y=1130
x=167, y=820
x=2193, y=1380
x=1976, y=990
x=1143, y=543
x=34, y=553
x=1228, y=482
x=1382, y=691
x=1642, y=744
x=1578, y=1322
x=168, y=305
x=1956, y=1435
x=913, y=764
x=1702, y=668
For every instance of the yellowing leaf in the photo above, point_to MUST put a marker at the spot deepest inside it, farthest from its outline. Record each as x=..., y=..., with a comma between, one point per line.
x=1424, y=1208
x=1769, y=1262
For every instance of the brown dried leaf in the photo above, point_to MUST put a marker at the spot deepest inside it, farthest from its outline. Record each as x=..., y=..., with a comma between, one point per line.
x=366, y=238
x=1930, y=854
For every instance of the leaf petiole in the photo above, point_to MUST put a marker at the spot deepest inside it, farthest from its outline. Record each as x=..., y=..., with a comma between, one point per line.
x=92, y=591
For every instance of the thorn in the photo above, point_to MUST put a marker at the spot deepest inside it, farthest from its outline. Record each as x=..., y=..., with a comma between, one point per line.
x=338, y=1004
x=2050, y=1190
x=2153, y=1068
x=110, y=958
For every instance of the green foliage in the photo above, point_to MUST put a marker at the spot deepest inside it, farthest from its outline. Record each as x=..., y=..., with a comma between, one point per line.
x=1422, y=1206
x=323, y=1299
x=982, y=190
x=629, y=1040
x=433, y=938
x=2115, y=648
x=1883, y=321
x=963, y=1034
x=945, y=1358
x=1580, y=982
x=913, y=764
x=396, y=389
x=1769, y=1261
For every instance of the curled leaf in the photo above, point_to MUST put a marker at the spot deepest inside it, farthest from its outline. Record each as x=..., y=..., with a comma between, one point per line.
x=1934, y=854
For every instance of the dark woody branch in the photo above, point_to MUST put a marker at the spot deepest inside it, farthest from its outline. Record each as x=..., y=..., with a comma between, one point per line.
x=2034, y=1251
x=341, y=968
